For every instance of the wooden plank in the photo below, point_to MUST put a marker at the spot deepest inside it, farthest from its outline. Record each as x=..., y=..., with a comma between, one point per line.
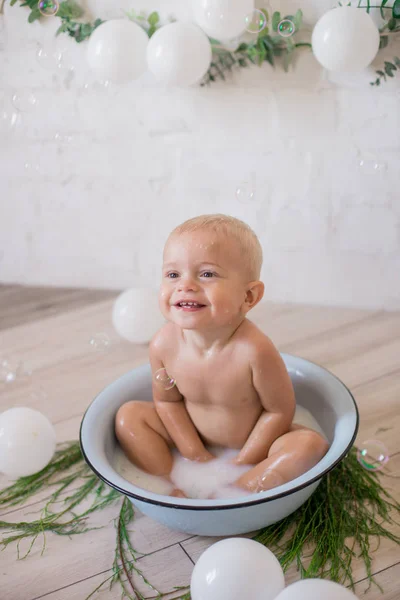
x=306, y=322
x=160, y=569
x=83, y=555
x=388, y=579
x=20, y=305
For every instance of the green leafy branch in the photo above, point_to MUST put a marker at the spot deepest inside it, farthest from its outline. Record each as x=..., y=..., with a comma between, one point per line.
x=150, y=24
x=391, y=27
x=268, y=46
x=68, y=12
x=389, y=70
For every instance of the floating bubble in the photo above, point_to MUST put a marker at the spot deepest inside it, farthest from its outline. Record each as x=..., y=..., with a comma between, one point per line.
x=31, y=167
x=96, y=86
x=245, y=192
x=49, y=59
x=256, y=21
x=372, y=166
x=24, y=100
x=372, y=455
x=162, y=378
x=10, y=370
x=10, y=121
x=48, y=8
x=286, y=28
x=38, y=395
x=63, y=139
x=100, y=341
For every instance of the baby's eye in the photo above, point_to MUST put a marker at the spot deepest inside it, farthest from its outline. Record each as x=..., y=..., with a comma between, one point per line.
x=172, y=275
x=208, y=274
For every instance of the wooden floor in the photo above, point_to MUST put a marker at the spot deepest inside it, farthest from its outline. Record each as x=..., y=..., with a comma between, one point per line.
x=50, y=332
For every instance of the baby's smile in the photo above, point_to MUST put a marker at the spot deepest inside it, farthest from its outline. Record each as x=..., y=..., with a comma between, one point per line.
x=189, y=305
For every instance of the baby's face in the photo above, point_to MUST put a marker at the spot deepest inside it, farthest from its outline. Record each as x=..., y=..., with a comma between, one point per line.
x=203, y=284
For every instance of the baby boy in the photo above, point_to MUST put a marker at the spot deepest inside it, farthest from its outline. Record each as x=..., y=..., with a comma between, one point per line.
x=232, y=387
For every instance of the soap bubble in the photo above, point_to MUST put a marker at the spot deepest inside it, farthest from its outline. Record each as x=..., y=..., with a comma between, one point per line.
x=10, y=121
x=38, y=395
x=256, y=21
x=48, y=8
x=372, y=455
x=100, y=341
x=286, y=28
x=372, y=166
x=49, y=59
x=245, y=192
x=10, y=370
x=161, y=377
x=63, y=139
x=24, y=100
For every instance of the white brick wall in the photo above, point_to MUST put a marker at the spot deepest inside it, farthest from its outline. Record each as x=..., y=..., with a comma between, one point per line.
x=92, y=180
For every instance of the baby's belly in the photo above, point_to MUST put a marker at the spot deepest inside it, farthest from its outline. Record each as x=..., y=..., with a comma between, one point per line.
x=220, y=427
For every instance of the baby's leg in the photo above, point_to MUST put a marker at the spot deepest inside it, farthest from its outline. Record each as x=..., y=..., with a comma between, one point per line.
x=291, y=455
x=143, y=437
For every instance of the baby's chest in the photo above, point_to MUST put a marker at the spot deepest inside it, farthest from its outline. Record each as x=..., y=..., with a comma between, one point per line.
x=216, y=382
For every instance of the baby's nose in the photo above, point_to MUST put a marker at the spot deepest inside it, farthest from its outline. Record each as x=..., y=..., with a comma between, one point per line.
x=187, y=284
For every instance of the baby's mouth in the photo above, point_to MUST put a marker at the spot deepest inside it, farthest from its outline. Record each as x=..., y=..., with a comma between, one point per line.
x=189, y=306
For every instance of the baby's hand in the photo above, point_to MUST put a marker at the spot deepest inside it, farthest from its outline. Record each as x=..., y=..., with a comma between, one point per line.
x=204, y=456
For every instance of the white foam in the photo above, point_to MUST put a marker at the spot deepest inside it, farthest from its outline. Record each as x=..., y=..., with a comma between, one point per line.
x=213, y=479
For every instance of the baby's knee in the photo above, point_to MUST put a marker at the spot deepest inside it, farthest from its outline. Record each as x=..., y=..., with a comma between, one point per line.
x=131, y=412
x=314, y=444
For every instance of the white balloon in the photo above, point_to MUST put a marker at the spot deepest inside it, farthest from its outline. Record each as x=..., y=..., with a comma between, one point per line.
x=27, y=442
x=222, y=19
x=179, y=54
x=136, y=315
x=345, y=39
x=315, y=589
x=237, y=568
x=117, y=50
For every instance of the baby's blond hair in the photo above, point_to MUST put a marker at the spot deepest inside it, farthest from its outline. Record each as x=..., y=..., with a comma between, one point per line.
x=249, y=245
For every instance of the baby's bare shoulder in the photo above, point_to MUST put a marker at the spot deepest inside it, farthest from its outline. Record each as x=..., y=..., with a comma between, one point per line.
x=164, y=340
x=260, y=346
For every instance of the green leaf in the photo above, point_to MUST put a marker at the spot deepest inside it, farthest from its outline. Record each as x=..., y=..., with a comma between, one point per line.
x=242, y=48
x=382, y=74
x=382, y=7
x=153, y=19
x=264, y=32
x=34, y=15
x=265, y=13
x=276, y=19
x=392, y=24
x=287, y=59
x=397, y=61
x=151, y=30
x=13, y=2
x=384, y=41
x=70, y=10
x=396, y=10
x=298, y=19
x=390, y=66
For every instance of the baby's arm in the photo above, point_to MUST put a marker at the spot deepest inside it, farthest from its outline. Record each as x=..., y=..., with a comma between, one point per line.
x=274, y=387
x=171, y=409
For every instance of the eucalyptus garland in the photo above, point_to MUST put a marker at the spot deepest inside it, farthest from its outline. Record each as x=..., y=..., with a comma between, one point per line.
x=268, y=46
x=333, y=527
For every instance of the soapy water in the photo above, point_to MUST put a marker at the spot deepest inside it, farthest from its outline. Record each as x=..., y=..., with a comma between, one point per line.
x=212, y=479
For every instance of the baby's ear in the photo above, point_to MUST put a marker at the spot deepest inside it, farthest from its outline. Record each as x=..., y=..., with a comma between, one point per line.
x=254, y=293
